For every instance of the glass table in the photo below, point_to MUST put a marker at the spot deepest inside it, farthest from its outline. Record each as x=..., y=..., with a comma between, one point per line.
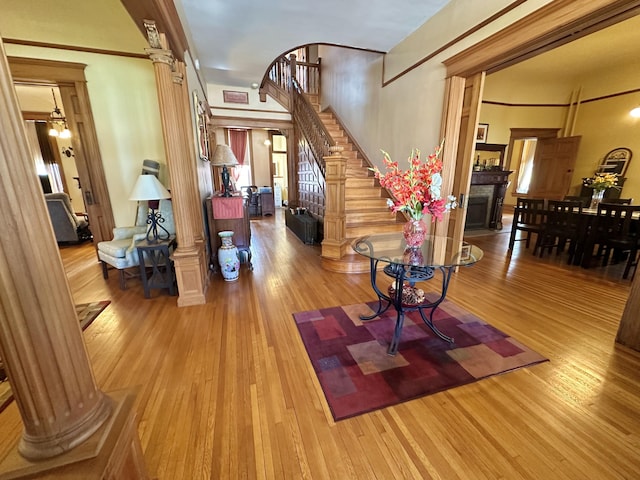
x=389, y=253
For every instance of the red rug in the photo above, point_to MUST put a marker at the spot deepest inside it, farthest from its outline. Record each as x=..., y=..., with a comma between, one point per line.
x=87, y=313
x=357, y=376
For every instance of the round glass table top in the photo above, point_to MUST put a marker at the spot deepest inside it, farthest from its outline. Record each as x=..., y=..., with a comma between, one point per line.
x=436, y=251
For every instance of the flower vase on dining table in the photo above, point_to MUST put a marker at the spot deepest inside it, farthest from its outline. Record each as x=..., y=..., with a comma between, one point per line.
x=414, y=231
x=596, y=198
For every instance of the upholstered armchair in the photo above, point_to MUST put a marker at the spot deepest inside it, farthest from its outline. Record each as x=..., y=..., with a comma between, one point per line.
x=67, y=226
x=120, y=253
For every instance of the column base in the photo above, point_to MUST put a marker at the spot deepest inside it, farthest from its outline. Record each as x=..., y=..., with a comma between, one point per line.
x=112, y=453
x=191, y=274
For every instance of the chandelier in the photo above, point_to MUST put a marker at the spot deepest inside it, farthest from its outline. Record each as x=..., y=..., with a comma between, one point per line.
x=58, y=122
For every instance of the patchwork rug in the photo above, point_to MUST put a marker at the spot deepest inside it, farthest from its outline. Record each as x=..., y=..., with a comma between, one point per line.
x=350, y=357
x=87, y=313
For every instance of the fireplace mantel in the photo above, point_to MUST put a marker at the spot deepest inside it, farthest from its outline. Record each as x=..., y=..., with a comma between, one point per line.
x=499, y=179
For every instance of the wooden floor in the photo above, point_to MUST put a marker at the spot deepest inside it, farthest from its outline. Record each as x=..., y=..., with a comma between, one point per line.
x=226, y=390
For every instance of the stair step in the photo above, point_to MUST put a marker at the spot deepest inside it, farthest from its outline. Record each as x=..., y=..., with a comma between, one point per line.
x=369, y=228
x=362, y=192
x=360, y=217
x=357, y=203
x=361, y=182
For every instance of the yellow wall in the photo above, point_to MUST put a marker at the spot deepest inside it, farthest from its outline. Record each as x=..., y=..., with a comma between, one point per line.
x=122, y=90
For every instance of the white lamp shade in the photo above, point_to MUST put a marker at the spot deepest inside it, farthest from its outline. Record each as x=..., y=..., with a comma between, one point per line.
x=148, y=187
x=223, y=156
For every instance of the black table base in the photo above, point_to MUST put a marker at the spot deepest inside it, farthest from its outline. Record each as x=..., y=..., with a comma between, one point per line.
x=401, y=274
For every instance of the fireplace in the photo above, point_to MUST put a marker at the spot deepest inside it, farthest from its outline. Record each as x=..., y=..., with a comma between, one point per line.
x=486, y=195
x=477, y=212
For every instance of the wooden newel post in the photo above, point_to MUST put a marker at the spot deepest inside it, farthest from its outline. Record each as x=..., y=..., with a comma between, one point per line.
x=334, y=244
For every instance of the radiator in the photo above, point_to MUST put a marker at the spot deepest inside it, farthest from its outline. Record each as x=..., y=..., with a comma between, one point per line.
x=304, y=226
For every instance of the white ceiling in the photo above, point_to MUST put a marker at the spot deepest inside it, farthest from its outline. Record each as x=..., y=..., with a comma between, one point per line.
x=235, y=41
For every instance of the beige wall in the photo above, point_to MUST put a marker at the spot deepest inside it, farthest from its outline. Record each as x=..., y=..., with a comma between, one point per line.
x=406, y=113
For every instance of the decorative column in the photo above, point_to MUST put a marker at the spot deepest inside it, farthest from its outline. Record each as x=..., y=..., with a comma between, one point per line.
x=40, y=338
x=188, y=257
x=629, y=328
x=334, y=244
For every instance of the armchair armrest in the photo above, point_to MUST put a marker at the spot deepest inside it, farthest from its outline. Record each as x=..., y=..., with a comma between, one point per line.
x=120, y=233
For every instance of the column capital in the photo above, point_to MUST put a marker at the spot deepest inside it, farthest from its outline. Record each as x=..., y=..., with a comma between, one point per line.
x=160, y=55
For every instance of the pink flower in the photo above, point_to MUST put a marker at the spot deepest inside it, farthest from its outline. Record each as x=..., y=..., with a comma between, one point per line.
x=417, y=190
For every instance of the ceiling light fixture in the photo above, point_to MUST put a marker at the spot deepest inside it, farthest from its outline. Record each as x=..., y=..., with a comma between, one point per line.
x=58, y=122
x=635, y=112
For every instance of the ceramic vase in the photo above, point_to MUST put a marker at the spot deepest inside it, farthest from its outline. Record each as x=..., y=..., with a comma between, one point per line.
x=596, y=198
x=228, y=257
x=414, y=232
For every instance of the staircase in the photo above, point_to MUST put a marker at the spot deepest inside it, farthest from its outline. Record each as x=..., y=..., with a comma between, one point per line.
x=366, y=207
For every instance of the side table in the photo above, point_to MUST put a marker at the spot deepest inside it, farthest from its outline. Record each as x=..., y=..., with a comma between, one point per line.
x=157, y=257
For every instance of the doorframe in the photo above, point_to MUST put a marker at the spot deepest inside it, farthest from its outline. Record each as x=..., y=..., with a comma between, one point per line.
x=70, y=79
x=553, y=25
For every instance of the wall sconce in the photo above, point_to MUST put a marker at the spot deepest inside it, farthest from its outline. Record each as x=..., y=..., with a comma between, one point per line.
x=267, y=143
x=58, y=122
x=635, y=113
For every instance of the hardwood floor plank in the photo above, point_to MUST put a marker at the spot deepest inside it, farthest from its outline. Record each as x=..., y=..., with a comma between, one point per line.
x=226, y=390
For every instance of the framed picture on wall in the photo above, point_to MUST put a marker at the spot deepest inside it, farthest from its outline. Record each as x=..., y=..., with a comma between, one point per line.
x=483, y=133
x=616, y=161
x=202, y=133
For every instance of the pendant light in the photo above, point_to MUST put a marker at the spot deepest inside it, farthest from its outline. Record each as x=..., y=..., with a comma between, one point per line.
x=58, y=121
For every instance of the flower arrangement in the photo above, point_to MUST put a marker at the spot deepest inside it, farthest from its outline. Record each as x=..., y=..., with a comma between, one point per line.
x=601, y=181
x=417, y=190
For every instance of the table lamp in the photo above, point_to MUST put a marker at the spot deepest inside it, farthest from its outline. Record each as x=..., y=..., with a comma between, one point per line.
x=223, y=157
x=148, y=187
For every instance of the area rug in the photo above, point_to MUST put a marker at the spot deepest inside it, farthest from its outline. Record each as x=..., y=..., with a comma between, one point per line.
x=357, y=376
x=87, y=313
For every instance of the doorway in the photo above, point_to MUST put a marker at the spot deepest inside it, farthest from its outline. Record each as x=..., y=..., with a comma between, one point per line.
x=74, y=97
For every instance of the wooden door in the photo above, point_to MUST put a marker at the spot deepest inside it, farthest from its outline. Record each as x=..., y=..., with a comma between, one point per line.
x=553, y=166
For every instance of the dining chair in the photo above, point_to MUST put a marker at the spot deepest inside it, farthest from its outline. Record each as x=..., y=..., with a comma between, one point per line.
x=616, y=232
x=561, y=225
x=528, y=216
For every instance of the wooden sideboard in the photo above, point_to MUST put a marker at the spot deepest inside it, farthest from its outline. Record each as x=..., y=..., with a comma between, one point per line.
x=229, y=213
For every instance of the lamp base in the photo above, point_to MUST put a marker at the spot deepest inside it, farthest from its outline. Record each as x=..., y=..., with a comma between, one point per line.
x=156, y=232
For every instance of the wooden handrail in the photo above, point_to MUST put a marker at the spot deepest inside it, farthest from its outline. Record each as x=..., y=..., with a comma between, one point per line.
x=310, y=125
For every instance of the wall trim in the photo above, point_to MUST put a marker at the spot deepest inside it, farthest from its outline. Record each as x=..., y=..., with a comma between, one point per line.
x=75, y=48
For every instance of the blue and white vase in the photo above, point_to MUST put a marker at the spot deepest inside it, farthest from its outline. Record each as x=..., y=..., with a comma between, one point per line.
x=228, y=257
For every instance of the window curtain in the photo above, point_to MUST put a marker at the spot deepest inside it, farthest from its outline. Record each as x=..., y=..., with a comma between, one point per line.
x=238, y=144
x=46, y=150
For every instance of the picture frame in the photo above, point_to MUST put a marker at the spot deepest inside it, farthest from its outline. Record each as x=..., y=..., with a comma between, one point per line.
x=482, y=134
x=202, y=132
x=231, y=96
x=616, y=161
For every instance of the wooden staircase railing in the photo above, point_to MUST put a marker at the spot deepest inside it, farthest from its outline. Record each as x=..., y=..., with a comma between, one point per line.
x=311, y=126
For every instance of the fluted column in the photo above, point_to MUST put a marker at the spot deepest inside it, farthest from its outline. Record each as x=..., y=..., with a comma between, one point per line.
x=334, y=243
x=40, y=338
x=188, y=257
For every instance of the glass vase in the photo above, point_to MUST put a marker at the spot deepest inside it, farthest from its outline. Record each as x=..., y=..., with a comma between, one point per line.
x=414, y=232
x=596, y=198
